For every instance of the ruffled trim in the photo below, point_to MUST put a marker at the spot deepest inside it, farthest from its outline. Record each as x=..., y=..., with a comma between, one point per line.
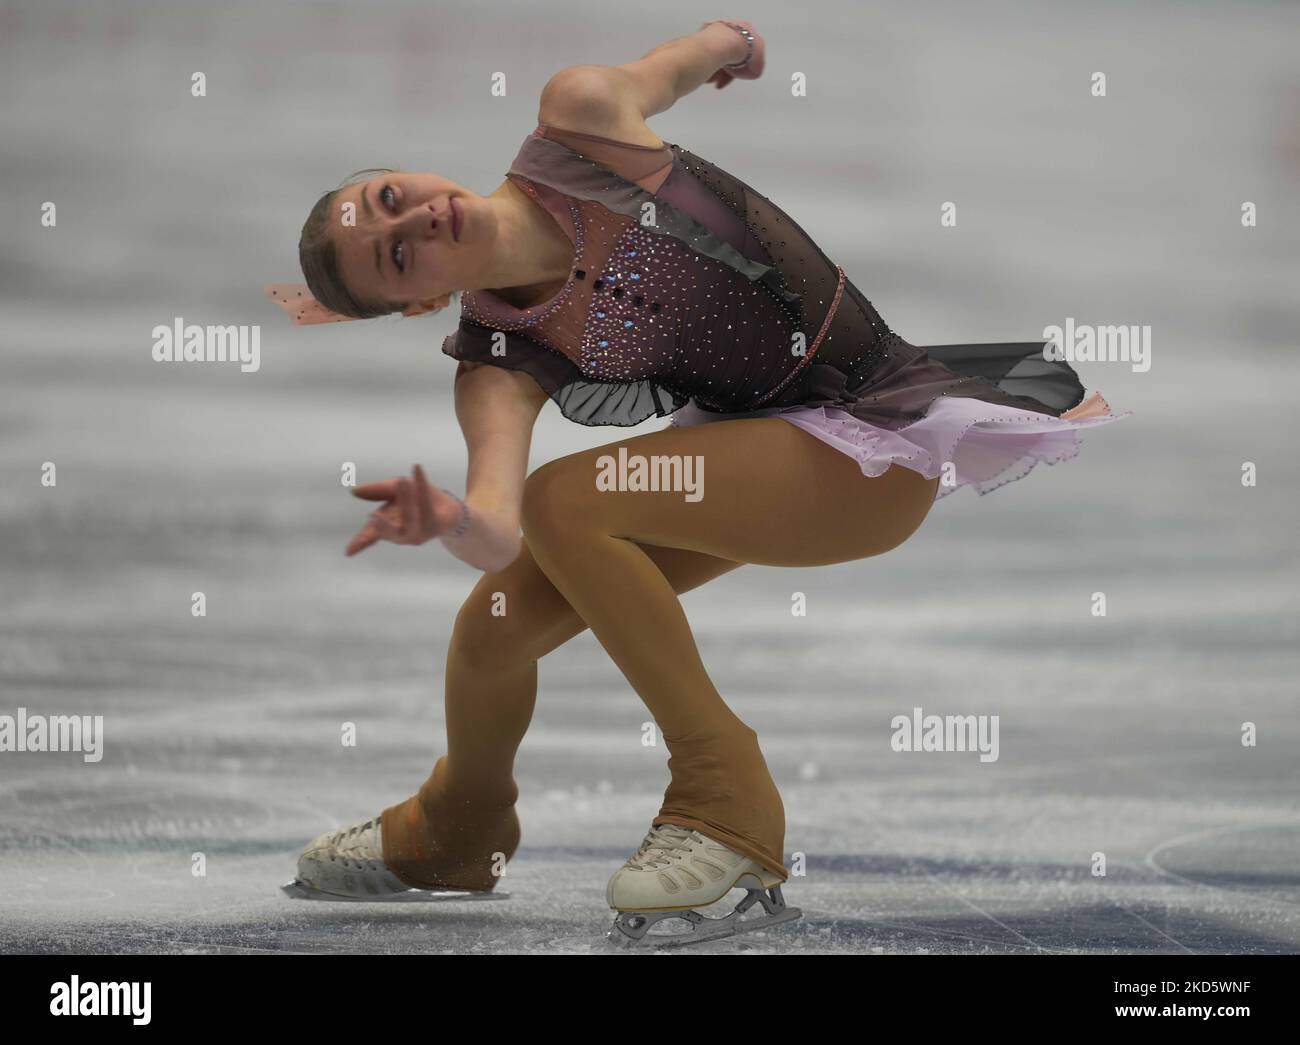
x=582, y=399
x=989, y=445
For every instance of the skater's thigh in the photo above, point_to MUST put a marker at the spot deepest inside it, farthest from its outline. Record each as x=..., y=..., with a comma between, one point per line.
x=516, y=615
x=763, y=491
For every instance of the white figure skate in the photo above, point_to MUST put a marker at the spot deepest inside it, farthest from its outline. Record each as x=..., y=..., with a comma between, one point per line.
x=676, y=870
x=348, y=864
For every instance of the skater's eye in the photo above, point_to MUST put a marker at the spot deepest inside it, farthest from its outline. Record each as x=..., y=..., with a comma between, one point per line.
x=388, y=197
x=399, y=256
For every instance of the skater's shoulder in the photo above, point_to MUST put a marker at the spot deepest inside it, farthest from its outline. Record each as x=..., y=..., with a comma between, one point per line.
x=598, y=104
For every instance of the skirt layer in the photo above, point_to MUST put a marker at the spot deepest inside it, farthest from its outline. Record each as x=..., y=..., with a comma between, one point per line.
x=962, y=441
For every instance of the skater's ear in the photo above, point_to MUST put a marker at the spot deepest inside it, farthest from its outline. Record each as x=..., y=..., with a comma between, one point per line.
x=427, y=308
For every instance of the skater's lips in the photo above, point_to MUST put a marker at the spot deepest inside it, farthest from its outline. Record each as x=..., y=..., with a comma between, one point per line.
x=457, y=218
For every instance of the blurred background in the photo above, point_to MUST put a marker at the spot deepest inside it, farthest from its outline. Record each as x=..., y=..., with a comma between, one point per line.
x=1119, y=735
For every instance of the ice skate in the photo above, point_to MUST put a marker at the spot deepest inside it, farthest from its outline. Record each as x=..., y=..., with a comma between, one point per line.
x=676, y=870
x=348, y=864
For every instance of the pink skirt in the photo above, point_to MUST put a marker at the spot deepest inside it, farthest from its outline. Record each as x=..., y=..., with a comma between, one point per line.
x=986, y=445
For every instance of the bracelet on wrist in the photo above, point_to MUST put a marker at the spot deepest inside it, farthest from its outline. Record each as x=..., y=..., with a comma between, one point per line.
x=463, y=526
x=749, y=42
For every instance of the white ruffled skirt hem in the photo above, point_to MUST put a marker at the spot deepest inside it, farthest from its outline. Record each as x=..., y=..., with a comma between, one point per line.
x=961, y=441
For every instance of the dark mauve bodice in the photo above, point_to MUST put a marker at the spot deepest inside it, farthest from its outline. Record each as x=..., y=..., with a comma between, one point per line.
x=687, y=284
x=655, y=309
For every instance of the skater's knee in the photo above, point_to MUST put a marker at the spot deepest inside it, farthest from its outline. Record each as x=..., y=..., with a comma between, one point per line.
x=486, y=637
x=538, y=510
x=556, y=499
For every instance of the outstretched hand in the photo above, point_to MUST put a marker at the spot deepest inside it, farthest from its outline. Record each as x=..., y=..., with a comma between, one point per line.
x=753, y=68
x=414, y=512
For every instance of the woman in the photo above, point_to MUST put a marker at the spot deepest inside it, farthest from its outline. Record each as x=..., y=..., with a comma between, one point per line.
x=623, y=277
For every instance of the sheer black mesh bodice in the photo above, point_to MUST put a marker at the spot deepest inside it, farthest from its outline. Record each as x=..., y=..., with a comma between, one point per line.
x=704, y=289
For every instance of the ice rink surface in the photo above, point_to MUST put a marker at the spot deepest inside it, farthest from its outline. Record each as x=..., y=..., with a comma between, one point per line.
x=1120, y=735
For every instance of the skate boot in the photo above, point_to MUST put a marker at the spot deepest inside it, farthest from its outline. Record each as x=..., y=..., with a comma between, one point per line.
x=676, y=870
x=347, y=863
x=350, y=863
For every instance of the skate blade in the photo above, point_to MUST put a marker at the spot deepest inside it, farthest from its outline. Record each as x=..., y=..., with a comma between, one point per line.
x=297, y=890
x=631, y=930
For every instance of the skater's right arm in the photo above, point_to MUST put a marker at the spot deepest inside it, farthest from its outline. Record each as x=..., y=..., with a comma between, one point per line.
x=496, y=408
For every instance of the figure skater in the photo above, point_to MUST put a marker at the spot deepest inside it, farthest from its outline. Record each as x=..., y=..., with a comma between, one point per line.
x=624, y=278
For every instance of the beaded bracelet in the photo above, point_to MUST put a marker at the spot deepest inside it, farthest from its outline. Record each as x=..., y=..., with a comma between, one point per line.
x=749, y=40
x=463, y=525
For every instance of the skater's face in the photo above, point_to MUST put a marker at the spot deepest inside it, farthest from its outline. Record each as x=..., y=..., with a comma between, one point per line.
x=403, y=241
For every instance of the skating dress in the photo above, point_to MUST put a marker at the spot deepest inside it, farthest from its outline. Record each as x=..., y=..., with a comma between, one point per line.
x=692, y=295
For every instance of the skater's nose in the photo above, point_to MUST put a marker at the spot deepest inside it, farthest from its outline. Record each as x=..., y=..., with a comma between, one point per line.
x=427, y=221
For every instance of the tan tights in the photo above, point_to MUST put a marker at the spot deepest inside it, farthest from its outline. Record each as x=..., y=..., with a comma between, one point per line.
x=615, y=561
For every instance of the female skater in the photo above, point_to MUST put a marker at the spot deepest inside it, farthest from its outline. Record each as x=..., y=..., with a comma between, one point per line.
x=624, y=277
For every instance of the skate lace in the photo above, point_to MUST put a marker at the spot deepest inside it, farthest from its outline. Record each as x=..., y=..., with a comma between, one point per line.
x=659, y=845
x=356, y=843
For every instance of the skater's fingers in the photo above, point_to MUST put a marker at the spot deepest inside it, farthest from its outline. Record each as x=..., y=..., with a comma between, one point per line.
x=384, y=490
x=409, y=519
x=384, y=527
x=364, y=538
x=423, y=503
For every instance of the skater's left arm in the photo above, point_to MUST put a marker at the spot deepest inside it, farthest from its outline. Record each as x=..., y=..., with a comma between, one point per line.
x=496, y=409
x=609, y=99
